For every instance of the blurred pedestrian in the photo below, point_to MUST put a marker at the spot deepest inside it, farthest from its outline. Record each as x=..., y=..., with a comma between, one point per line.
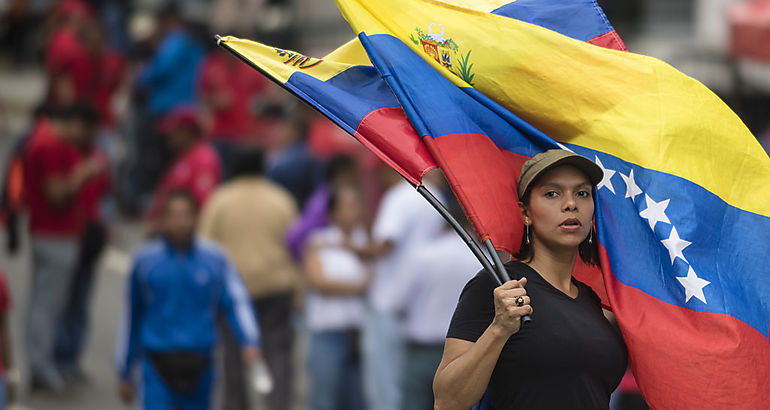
x=55, y=174
x=340, y=170
x=70, y=62
x=177, y=288
x=249, y=216
x=196, y=166
x=9, y=376
x=229, y=91
x=337, y=280
x=433, y=277
x=73, y=323
x=168, y=79
x=404, y=224
x=289, y=162
x=110, y=76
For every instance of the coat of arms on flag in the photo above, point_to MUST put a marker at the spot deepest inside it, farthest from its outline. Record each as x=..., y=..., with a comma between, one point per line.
x=444, y=50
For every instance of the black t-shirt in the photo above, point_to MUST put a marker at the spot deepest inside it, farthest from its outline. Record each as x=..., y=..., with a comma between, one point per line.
x=568, y=357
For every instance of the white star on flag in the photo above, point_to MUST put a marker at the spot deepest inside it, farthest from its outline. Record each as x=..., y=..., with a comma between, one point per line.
x=632, y=189
x=693, y=286
x=675, y=245
x=655, y=212
x=606, y=179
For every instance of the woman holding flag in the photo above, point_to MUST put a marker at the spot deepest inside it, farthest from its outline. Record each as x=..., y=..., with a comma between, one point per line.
x=569, y=355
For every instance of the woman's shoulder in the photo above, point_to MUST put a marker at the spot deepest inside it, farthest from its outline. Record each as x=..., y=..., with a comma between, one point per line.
x=481, y=282
x=517, y=270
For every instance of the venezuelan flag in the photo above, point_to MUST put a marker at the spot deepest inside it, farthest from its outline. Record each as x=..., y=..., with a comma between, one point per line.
x=345, y=87
x=683, y=213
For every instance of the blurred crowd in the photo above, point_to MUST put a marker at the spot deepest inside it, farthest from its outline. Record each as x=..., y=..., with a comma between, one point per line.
x=264, y=222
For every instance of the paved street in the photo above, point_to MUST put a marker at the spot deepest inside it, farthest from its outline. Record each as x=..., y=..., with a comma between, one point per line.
x=98, y=393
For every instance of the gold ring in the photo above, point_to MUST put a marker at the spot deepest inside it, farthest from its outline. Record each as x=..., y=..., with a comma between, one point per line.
x=519, y=301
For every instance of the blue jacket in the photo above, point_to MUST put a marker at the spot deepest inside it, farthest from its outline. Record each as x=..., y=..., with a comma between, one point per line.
x=171, y=75
x=174, y=299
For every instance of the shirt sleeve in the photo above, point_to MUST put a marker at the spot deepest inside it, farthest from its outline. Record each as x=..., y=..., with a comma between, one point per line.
x=405, y=283
x=237, y=307
x=163, y=63
x=475, y=309
x=392, y=221
x=128, y=337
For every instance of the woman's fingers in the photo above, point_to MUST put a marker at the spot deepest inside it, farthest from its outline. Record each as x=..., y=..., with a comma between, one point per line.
x=512, y=284
x=512, y=300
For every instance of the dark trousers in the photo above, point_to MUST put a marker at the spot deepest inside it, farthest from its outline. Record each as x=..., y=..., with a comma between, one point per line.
x=277, y=336
x=420, y=366
x=72, y=331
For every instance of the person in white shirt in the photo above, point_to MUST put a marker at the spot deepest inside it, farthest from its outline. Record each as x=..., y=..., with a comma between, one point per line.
x=426, y=296
x=337, y=280
x=404, y=224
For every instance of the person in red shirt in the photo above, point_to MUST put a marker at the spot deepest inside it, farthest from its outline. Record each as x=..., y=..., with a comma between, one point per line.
x=71, y=64
x=230, y=93
x=73, y=323
x=55, y=173
x=196, y=167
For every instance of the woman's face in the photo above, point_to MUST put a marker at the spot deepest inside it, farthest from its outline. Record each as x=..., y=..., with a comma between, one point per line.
x=348, y=211
x=561, y=208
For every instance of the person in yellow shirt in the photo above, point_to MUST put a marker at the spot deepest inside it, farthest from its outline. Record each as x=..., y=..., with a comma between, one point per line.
x=249, y=216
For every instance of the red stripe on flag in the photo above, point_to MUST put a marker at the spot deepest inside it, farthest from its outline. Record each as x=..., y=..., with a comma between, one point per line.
x=610, y=39
x=389, y=135
x=484, y=179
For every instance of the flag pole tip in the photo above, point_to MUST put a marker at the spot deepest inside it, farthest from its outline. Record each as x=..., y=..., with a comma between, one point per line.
x=218, y=38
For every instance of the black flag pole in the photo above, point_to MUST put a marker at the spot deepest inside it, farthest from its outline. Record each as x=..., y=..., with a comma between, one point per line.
x=495, y=275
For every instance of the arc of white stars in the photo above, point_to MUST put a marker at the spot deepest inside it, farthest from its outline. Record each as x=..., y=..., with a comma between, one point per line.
x=655, y=212
x=675, y=245
x=693, y=286
x=632, y=190
x=606, y=181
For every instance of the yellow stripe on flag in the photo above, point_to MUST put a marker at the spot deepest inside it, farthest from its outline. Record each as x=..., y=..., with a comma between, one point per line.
x=281, y=64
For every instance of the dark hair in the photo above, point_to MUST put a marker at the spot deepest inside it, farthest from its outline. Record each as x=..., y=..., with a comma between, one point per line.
x=181, y=194
x=80, y=111
x=248, y=161
x=588, y=252
x=339, y=164
x=171, y=9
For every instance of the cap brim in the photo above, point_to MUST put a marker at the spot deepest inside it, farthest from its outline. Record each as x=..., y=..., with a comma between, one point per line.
x=593, y=171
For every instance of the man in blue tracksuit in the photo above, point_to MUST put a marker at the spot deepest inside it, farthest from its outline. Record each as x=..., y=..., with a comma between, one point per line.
x=177, y=288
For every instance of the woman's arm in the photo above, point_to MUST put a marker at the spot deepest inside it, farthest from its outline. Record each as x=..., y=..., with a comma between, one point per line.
x=466, y=367
x=318, y=281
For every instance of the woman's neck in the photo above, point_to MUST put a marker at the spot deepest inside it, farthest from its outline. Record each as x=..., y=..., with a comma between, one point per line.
x=555, y=266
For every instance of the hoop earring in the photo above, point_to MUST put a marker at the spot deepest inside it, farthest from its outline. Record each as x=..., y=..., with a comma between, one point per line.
x=526, y=226
x=591, y=237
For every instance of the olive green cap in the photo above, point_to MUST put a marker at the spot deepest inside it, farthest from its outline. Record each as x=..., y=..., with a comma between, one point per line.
x=544, y=161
